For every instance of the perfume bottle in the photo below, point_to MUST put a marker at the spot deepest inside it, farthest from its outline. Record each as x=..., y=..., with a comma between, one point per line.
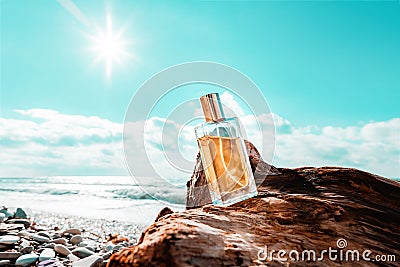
x=223, y=154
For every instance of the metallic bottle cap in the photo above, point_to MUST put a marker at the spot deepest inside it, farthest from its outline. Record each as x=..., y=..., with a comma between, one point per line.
x=212, y=107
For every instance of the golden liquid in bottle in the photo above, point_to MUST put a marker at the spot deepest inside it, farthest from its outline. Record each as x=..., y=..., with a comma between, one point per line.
x=224, y=163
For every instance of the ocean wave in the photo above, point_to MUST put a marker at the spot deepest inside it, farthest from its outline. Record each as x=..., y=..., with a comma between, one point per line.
x=97, y=187
x=168, y=195
x=55, y=192
x=129, y=194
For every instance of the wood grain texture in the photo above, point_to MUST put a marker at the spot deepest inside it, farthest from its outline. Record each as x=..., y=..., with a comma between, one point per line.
x=301, y=209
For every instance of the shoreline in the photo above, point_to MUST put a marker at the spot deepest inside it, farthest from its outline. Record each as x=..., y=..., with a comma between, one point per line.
x=94, y=197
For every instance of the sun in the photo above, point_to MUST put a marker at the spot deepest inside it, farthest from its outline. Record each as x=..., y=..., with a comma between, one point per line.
x=110, y=46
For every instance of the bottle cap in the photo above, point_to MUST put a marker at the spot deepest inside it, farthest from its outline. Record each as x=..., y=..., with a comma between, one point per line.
x=212, y=107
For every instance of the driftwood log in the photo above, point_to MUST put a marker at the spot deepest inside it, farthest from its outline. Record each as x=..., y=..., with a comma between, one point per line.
x=297, y=210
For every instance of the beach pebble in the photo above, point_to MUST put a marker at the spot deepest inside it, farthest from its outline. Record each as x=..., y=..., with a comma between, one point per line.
x=72, y=257
x=56, y=234
x=47, y=254
x=50, y=263
x=49, y=245
x=82, y=252
x=9, y=255
x=107, y=255
x=25, y=233
x=40, y=238
x=73, y=231
x=61, y=249
x=45, y=234
x=26, y=250
x=20, y=213
x=8, y=239
x=76, y=239
x=4, y=262
x=46, y=244
x=91, y=248
x=10, y=227
x=24, y=243
x=109, y=247
x=61, y=241
x=117, y=247
x=91, y=261
x=87, y=242
x=25, y=222
x=7, y=213
x=26, y=259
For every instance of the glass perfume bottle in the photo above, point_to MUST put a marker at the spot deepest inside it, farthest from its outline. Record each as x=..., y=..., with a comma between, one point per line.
x=223, y=154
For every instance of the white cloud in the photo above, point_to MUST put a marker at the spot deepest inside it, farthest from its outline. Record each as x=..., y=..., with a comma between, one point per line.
x=373, y=147
x=231, y=107
x=370, y=146
x=46, y=142
x=171, y=147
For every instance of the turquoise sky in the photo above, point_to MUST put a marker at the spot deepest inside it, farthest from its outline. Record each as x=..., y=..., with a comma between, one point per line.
x=323, y=63
x=331, y=65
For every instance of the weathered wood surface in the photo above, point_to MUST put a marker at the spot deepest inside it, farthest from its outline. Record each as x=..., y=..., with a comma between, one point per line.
x=296, y=209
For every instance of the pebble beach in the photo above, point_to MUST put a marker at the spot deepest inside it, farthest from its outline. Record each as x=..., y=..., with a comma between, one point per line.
x=45, y=239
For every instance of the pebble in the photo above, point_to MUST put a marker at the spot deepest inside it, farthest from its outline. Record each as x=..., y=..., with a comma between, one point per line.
x=109, y=247
x=91, y=261
x=50, y=263
x=7, y=213
x=73, y=231
x=25, y=233
x=26, y=259
x=24, y=243
x=25, y=222
x=26, y=250
x=20, y=213
x=9, y=255
x=72, y=257
x=118, y=247
x=82, y=252
x=49, y=245
x=41, y=239
x=45, y=234
x=4, y=262
x=8, y=239
x=61, y=249
x=9, y=227
x=47, y=254
x=91, y=248
x=76, y=239
x=87, y=242
x=107, y=255
x=44, y=242
x=61, y=241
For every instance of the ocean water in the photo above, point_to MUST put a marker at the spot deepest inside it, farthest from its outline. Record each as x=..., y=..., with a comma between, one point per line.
x=103, y=197
x=109, y=197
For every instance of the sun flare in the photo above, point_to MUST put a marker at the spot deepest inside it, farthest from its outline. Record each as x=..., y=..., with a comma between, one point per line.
x=110, y=46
